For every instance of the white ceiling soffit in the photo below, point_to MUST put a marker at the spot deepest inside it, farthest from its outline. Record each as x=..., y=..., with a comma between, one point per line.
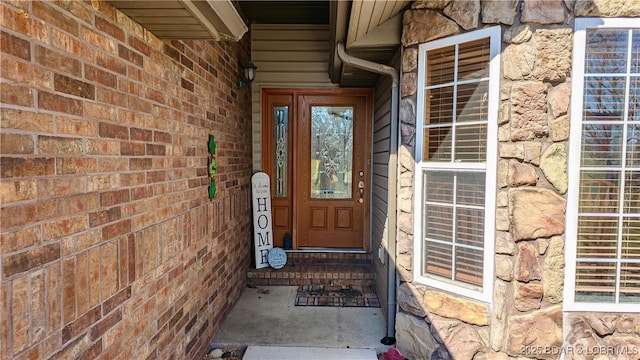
x=375, y=23
x=186, y=19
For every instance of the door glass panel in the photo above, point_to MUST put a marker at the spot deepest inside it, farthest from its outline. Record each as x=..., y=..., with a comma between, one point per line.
x=331, y=152
x=281, y=152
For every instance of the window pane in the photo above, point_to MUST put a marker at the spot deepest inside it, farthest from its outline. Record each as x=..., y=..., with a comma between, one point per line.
x=438, y=222
x=469, y=265
x=603, y=98
x=331, y=152
x=438, y=259
x=440, y=65
x=281, y=152
x=597, y=237
x=634, y=100
x=631, y=238
x=467, y=189
x=470, y=188
x=471, y=143
x=439, y=106
x=606, y=51
x=472, y=102
x=601, y=145
x=437, y=144
x=632, y=192
x=635, y=52
x=630, y=283
x=470, y=227
x=439, y=185
x=599, y=192
x=595, y=282
x=473, y=59
x=633, y=146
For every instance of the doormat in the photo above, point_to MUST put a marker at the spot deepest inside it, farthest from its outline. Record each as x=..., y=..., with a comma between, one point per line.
x=337, y=296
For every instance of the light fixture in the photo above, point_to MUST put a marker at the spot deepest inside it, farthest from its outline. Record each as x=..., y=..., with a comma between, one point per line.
x=249, y=73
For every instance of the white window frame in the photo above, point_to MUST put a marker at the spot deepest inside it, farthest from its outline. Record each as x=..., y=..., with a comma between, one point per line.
x=575, y=142
x=485, y=293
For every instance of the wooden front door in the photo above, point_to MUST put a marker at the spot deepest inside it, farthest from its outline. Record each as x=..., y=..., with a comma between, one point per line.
x=316, y=146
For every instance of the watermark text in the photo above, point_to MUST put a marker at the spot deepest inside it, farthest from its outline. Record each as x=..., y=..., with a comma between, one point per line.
x=530, y=350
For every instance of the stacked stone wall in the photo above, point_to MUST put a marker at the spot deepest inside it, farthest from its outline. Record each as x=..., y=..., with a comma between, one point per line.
x=109, y=245
x=525, y=319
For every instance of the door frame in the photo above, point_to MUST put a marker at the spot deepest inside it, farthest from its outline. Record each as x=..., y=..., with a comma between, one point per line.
x=267, y=163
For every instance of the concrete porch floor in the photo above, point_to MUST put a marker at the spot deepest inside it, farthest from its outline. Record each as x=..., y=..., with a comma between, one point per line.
x=267, y=316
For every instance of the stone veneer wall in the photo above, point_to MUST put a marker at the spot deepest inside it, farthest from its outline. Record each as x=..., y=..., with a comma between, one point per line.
x=525, y=319
x=110, y=247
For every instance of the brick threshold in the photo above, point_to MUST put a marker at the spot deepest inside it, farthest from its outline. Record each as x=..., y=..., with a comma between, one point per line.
x=317, y=268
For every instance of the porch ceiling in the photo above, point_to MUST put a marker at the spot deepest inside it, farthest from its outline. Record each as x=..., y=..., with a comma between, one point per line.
x=370, y=29
x=285, y=12
x=186, y=19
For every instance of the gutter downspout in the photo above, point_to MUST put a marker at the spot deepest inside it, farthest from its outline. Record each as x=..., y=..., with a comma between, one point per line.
x=392, y=203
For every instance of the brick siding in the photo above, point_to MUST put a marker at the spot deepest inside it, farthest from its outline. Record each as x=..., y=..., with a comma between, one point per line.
x=110, y=247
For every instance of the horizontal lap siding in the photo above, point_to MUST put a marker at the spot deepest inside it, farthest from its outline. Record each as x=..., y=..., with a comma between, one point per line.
x=380, y=168
x=287, y=56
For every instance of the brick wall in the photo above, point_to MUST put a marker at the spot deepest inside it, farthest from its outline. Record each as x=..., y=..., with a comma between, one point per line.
x=110, y=247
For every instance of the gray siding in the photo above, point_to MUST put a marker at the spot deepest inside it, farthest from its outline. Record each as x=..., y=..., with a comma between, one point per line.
x=287, y=56
x=380, y=168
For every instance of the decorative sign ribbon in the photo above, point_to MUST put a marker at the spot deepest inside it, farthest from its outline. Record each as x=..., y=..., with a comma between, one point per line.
x=212, y=167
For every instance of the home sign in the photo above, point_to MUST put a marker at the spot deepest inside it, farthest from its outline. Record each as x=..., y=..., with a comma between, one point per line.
x=262, y=228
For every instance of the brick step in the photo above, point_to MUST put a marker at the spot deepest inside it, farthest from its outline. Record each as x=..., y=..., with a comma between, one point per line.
x=327, y=258
x=322, y=274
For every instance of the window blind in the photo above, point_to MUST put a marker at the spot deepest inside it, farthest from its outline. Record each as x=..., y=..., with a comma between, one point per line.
x=608, y=234
x=455, y=133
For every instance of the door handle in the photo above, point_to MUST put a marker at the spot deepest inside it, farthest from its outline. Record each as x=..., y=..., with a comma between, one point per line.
x=361, y=191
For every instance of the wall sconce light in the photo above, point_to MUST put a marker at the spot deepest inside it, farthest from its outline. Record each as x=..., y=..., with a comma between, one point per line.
x=249, y=73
